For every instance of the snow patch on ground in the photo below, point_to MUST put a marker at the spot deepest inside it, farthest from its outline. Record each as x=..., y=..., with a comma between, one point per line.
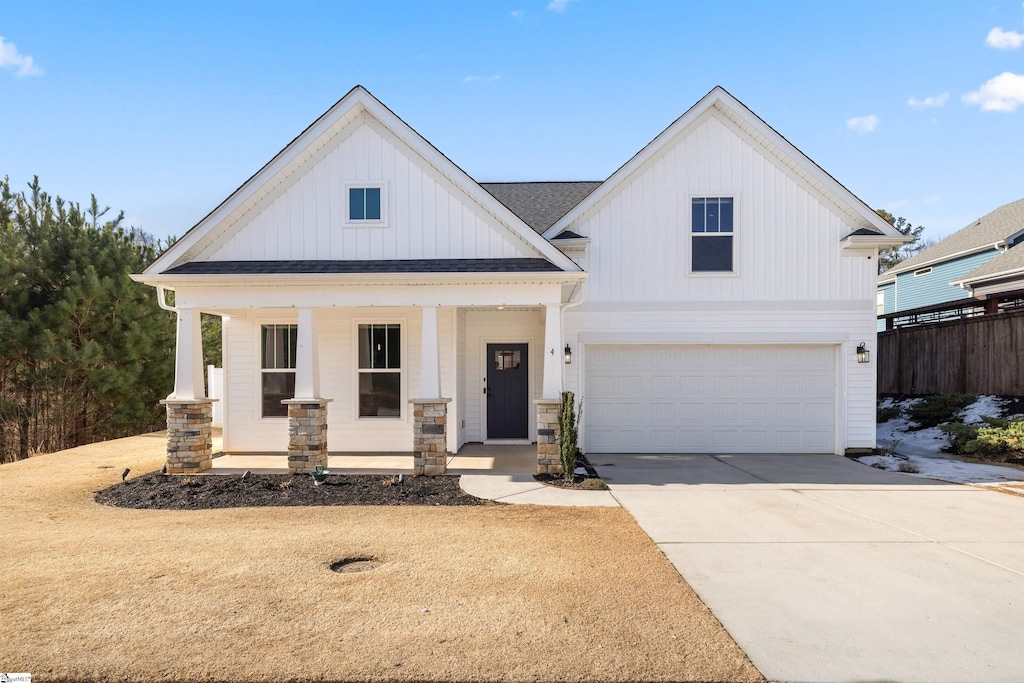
x=922, y=449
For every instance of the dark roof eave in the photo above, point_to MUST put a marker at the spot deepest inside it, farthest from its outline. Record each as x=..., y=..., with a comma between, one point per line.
x=366, y=267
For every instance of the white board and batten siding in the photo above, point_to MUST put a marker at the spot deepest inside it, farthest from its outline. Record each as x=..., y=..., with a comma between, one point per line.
x=425, y=215
x=792, y=285
x=247, y=432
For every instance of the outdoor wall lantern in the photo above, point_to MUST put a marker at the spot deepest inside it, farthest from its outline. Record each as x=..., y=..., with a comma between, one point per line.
x=863, y=355
x=568, y=355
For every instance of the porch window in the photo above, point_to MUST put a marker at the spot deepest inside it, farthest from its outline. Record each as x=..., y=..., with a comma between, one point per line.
x=380, y=370
x=278, y=367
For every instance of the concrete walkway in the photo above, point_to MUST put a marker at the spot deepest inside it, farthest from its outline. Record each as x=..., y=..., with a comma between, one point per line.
x=524, y=489
x=824, y=569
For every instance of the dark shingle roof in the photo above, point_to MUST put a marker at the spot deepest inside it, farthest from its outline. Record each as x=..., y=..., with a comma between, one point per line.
x=540, y=205
x=478, y=265
x=991, y=228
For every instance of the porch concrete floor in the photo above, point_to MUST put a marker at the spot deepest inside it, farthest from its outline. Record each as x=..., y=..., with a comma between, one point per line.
x=473, y=458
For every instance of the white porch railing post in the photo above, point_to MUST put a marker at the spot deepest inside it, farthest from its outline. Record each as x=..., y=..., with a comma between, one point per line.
x=552, y=352
x=188, y=357
x=307, y=362
x=430, y=356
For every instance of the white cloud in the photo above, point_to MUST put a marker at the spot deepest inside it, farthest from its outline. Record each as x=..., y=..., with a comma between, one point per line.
x=932, y=101
x=24, y=64
x=863, y=124
x=475, y=79
x=470, y=79
x=1005, y=92
x=1004, y=40
x=517, y=13
x=558, y=5
x=491, y=79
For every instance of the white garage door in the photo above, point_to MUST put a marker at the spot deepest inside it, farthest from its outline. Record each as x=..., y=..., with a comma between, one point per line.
x=709, y=399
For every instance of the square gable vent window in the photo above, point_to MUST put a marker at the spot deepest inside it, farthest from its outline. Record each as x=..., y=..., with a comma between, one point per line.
x=365, y=205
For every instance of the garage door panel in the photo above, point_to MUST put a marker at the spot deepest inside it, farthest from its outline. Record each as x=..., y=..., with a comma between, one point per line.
x=754, y=413
x=699, y=399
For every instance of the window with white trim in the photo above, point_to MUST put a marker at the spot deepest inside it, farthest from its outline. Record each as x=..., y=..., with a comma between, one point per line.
x=380, y=370
x=365, y=204
x=711, y=235
x=277, y=368
x=880, y=303
x=922, y=271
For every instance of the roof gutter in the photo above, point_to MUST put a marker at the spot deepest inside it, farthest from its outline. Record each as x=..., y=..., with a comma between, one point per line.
x=899, y=268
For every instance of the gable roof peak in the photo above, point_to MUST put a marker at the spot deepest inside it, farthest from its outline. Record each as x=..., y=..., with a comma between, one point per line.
x=776, y=146
x=226, y=216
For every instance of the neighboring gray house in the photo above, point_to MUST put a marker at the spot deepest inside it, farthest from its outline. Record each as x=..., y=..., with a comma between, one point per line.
x=977, y=253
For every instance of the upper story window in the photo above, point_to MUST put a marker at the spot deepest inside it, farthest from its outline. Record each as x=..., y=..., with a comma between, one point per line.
x=711, y=230
x=366, y=204
x=880, y=303
x=277, y=369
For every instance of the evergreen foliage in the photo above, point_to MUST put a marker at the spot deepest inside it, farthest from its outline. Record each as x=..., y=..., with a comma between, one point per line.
x=567, y=435
x=934, y=410
x=85, y=353
x=890, y=258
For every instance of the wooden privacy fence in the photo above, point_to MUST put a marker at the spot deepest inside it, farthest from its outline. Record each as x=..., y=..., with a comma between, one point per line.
x=976, y=355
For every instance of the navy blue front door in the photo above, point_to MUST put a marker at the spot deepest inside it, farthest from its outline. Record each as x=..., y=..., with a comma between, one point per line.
x=508, y=391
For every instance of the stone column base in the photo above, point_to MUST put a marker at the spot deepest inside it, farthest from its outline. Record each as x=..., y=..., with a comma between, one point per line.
x=189, y=435
x=429, y=435
x=307, y=434
x=548, y=459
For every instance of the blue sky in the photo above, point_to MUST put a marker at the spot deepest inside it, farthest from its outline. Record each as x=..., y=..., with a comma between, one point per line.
x=163, y=108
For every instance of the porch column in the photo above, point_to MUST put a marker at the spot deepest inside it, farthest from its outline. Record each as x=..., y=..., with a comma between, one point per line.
x=430, y=355
x=430, y=413
x=549, y=405
x=188, y=357
x=189, y=412
x=307, y=412
x=552, y=353
x=307, y=360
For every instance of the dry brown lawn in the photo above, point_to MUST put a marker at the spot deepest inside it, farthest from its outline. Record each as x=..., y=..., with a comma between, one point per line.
x=504, y=593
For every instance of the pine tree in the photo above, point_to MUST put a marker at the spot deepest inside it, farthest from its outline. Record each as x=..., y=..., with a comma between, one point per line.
x=86, y=353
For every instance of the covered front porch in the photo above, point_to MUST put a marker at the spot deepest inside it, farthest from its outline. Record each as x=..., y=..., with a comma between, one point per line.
x=417, y=388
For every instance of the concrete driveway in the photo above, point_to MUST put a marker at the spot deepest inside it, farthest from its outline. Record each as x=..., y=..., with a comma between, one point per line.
x=824, y=569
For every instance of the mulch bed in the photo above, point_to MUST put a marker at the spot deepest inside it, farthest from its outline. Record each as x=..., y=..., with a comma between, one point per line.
x=156, y=491
x=577, y=481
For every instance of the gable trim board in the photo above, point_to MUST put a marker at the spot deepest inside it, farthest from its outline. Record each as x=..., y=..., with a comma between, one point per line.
x=774, y=144
x=290, y=162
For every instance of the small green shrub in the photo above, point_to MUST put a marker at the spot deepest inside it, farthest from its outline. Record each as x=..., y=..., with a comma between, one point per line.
x=594, y=485
x=932, y=411
x=567, y=436
x=995, y=440
x=889, y=413
x=1000, y=438
x=959, y=435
